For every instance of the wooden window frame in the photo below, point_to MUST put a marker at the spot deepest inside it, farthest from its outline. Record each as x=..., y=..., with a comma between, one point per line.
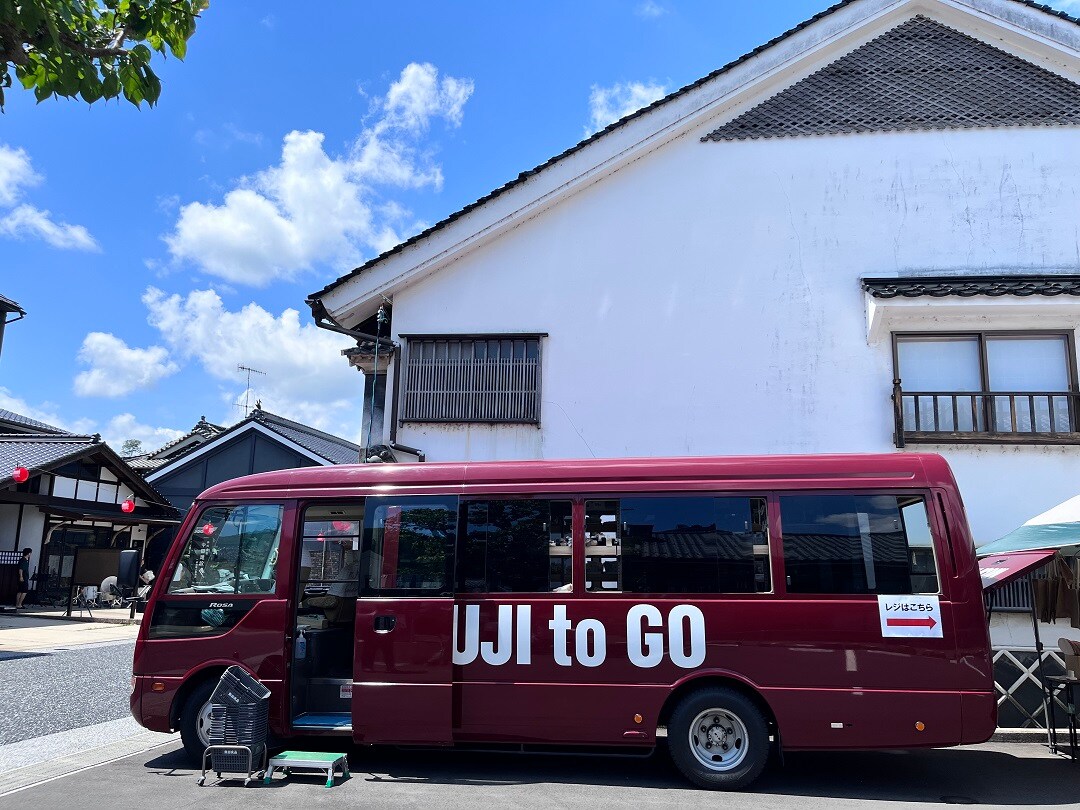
x=902, y=435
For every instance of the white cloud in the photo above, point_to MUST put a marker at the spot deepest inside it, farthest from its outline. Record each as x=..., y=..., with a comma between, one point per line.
x=650, y=10
x=608, y=104
x=305, y=379
x=117, y=369
x=25, y=221
x=16, y=173
x=125, y=426
x=315, y=207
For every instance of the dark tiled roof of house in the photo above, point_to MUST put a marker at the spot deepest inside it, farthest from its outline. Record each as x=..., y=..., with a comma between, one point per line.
x=38, y=451
x=42, y=452
x=526, y=175
x=333, y=448
x=967, y=286
x=7, y=305
x=16, y=421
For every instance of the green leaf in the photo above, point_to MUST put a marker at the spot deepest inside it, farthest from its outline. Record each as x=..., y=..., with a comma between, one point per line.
x=178, y=45
x=110, y=87
x=141, y=54
x=90, y=92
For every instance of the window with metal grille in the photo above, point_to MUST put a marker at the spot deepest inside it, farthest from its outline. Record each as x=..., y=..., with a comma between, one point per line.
x=481, y=378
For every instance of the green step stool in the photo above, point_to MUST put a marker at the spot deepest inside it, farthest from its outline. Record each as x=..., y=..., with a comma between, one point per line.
x=288, y=761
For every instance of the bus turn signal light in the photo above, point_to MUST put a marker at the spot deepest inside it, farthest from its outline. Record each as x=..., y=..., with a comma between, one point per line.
x=157, y=686
x=638, y=718
x=920, y=726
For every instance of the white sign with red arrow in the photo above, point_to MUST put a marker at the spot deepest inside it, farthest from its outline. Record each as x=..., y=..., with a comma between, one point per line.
x=910, y=616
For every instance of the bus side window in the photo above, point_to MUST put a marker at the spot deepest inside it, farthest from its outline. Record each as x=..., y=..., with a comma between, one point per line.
x=408, y=546
x=515, y=546
x=857, y=544
x=678, y=544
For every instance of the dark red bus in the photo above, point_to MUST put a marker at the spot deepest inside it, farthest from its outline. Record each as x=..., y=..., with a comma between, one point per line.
x=736, y=606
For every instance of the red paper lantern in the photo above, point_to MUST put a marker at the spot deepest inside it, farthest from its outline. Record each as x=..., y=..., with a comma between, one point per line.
x=342, y=525
x=21, y=475
x=208, y=528
x=128, y=506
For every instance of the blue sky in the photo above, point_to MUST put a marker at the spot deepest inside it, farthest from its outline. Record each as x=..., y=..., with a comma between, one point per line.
x=156, y=250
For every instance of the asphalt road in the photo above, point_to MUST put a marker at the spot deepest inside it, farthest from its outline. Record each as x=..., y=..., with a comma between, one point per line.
x=996, y=775
x=47, y=692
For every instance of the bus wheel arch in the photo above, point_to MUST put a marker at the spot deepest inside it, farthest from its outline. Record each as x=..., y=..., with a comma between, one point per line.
x=189, y=704
x=705, y=681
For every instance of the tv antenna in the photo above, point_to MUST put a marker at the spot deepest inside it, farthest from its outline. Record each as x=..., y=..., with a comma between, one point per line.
x=247, y=390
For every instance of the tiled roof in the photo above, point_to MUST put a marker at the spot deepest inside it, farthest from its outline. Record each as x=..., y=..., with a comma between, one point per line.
x=144, y=464
x=40, y=451
x=202, y=429
x=920, y=75
x=524, y=176
x=333, y=448
x=967, y=286
x=17, y=420
x=37, y=451
x=7, y=305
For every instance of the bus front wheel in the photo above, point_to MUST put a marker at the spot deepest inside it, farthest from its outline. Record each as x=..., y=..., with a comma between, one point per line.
x=719, y=739
x=195, y=720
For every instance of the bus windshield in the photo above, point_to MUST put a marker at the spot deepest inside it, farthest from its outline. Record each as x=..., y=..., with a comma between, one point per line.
x=231, y=549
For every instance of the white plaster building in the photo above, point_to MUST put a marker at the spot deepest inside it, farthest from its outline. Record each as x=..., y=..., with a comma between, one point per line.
x=890, y=191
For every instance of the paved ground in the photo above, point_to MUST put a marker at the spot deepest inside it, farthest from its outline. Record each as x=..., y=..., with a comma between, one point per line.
x=22, y=633
x=1005, y=775
x=47, y=692
x=65, y=695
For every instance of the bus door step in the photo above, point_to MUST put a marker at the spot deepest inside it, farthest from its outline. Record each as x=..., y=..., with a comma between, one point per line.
x=330, y=721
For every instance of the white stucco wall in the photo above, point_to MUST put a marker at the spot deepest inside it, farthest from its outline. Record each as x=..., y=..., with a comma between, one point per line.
x=705, y=299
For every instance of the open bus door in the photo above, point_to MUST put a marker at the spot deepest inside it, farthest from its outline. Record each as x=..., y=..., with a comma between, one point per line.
x=403, y=661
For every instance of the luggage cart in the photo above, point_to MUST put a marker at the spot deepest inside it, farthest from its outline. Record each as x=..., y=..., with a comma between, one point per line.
x=238, y=720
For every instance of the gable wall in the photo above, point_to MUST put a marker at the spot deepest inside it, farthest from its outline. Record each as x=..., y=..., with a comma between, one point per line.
x=251, y=452
x=706, y=298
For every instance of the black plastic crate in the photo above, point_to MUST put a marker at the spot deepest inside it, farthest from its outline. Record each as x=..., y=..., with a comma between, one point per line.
x=238, y=725
x=238, y=688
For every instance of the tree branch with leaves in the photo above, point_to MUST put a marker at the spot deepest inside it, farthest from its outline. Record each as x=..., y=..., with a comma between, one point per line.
x=92, y=49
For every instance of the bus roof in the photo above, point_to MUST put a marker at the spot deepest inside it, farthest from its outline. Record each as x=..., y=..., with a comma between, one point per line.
x=855, y=471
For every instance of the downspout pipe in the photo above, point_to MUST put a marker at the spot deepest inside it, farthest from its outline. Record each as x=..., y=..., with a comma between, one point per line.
x=324, y=320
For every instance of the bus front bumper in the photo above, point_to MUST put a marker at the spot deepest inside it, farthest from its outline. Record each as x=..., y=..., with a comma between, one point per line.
x=152, y=699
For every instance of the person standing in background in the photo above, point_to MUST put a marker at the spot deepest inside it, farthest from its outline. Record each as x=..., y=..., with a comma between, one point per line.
x=24, y=578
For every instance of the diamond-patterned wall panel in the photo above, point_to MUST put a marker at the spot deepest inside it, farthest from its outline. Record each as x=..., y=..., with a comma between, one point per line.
x=1020, y=697
x=920, y=75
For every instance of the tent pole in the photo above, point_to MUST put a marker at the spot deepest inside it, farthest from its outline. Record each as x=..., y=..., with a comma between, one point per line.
x=1048, y=711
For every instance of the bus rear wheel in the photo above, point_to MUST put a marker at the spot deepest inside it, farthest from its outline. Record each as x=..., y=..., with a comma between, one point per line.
x=719, y=739
x=195, y=721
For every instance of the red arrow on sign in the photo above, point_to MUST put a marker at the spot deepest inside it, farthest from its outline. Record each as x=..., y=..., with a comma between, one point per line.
x=927, y=622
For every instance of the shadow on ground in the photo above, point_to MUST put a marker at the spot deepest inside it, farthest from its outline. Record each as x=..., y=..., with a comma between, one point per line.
x=1017, y=774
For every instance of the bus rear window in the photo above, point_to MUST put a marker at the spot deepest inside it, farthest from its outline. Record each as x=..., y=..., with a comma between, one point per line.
x=857, y=544
x=231, y=549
